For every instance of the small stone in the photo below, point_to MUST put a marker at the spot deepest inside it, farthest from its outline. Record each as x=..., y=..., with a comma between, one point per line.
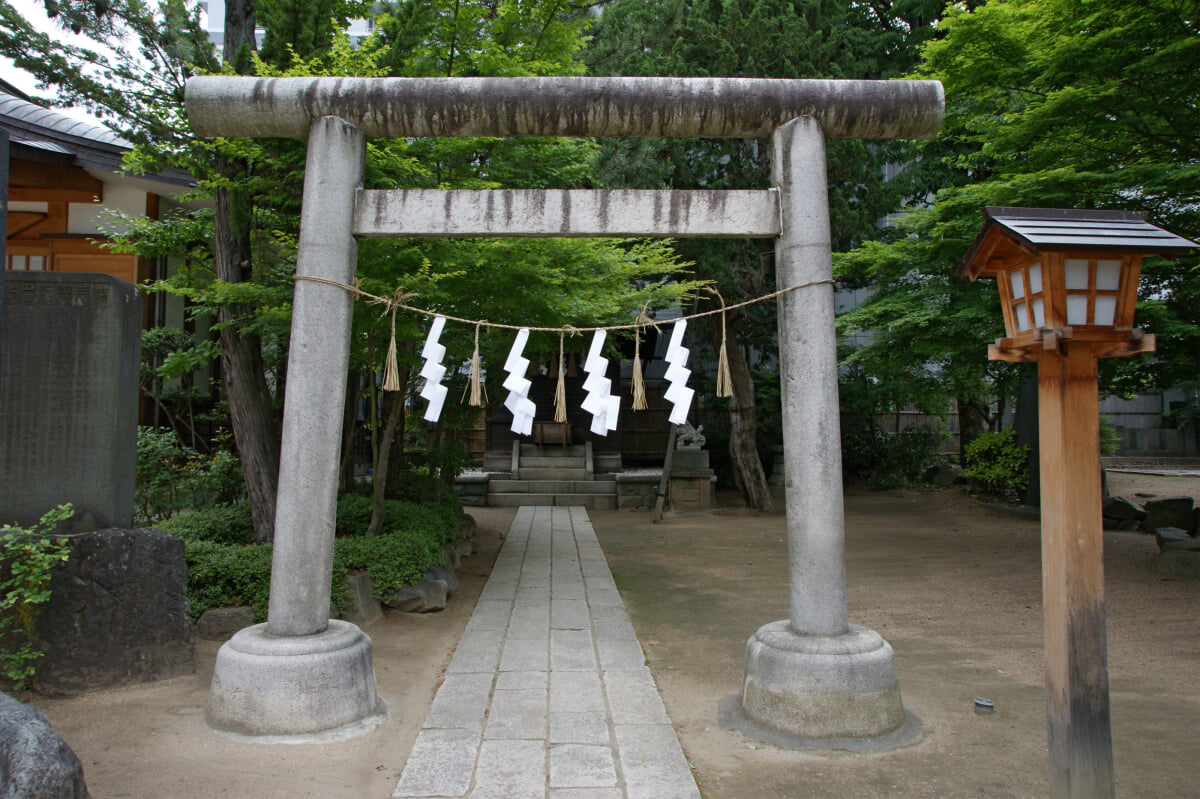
x=424, y=597
x=1174, y=563
x=943, y=475
x=445, y=575
x=450, y=553
x=1166, y=535
x=465, y=547
x=1120, y=508
x=467, y=526
x=362, y=608
x=219, y=624
x=34, y=760
x=1191, y=544
x=1170, y=512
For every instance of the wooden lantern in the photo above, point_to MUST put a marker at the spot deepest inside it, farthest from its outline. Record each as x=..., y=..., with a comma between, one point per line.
x=1066, y=275
x=1068, y=283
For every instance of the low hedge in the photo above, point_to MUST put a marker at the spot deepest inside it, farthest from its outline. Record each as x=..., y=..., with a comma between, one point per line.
x=224, y=570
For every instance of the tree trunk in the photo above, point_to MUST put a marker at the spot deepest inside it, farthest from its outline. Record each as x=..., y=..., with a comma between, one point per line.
x=394, y=401
x=349, y=428
x=748, y=471
x=255, y=428
x=379, y=484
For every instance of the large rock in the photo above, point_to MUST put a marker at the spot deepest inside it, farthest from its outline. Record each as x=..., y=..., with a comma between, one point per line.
x=1170, y=512
x=1120, y=509
x=467, y=526
x=1189, y=544
x=35, y=763
x=117, y=614
x=219, y=624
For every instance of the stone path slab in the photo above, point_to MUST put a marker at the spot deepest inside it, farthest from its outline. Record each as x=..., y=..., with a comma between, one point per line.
x=548, y=695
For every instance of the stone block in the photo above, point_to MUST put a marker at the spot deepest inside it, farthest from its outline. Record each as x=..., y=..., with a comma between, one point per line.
x=440, y=764
x=218, y=624
x=69, y=397
x=424, y=597
x=582, y=766
x=363, y=608
x=119, y=613
x=34, y=761
x=689, y=459
x=1169, y=535
x=1189, y=544
x=1170, y=512
x=1174, y=563
x=1120, y=509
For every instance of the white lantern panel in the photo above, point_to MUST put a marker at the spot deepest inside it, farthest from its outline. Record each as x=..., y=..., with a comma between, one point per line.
x=1106, y=309
x=1019, y=313
x=1018, y=283
x=1076, y=270
x=1108, y=275
x=1039, y=314
x=1035, y=278
x=1077, y=309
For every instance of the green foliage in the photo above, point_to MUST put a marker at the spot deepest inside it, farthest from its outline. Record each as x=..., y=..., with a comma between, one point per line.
x=27, y=558
x=354, y=517
x=996, y=462
x=885, y=460
x=172, y=477
x=227, y=575
x=225, y=570
x=1050, y=103
x=220, y=524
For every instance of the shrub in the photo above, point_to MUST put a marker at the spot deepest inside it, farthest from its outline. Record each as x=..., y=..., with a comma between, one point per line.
x=27, y=558
x=887, y=460
x=222, y=524
x=223, y=575
x=904, y=457
x=996, y=462
x=172, y=477
x=225, y=570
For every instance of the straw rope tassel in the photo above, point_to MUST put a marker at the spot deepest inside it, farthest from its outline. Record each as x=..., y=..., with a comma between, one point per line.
x=639, y=385
x=724, y=379
x=475, y=384
x=560, y=392
x=391, y=372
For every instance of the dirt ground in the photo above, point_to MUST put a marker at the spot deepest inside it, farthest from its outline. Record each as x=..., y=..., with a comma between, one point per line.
x=950, y=582
x=954, y=586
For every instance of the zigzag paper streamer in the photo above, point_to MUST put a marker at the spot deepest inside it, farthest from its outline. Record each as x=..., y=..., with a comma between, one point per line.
x=433, y=371
x=599, y=402
x=517, y=401
x=677, y=375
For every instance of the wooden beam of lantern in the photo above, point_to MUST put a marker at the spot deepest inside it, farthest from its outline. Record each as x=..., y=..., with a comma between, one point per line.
x=1068, y=286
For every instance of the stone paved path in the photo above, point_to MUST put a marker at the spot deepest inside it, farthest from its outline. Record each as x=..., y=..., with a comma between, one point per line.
x=548, y=694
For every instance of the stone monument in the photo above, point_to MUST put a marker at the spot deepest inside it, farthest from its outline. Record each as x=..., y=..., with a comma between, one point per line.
x=69, y=397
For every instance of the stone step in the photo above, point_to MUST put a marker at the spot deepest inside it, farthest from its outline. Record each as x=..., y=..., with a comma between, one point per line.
x=589, y=501
x=549, y=450
x=557, y=473
x=552, y=486
x=550, y=462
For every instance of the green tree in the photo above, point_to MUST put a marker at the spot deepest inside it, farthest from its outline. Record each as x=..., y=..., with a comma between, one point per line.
x=1051, y=103
x=755, y=39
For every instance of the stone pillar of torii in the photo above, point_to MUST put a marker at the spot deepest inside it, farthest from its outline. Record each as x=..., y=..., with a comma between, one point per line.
x=811, y=678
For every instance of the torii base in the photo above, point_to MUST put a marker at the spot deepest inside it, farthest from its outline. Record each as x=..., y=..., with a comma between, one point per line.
x=294, y=689
x=823, y=690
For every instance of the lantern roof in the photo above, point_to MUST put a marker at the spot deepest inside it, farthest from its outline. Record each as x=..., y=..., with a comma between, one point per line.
x=1010, y=234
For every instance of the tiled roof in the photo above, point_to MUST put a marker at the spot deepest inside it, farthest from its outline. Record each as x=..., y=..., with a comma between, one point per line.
x=1064, y=228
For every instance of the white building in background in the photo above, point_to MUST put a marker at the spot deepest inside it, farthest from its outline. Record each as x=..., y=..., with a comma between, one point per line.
x=214, y=15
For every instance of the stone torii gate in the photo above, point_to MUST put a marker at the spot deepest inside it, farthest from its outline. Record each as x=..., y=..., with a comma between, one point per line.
x=303, y=675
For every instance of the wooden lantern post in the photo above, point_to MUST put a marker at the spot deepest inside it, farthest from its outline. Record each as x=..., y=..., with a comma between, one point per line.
x=1068, y=286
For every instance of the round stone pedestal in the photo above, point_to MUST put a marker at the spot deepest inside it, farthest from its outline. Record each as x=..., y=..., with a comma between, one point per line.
x=816, y=687
x=295, y=688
